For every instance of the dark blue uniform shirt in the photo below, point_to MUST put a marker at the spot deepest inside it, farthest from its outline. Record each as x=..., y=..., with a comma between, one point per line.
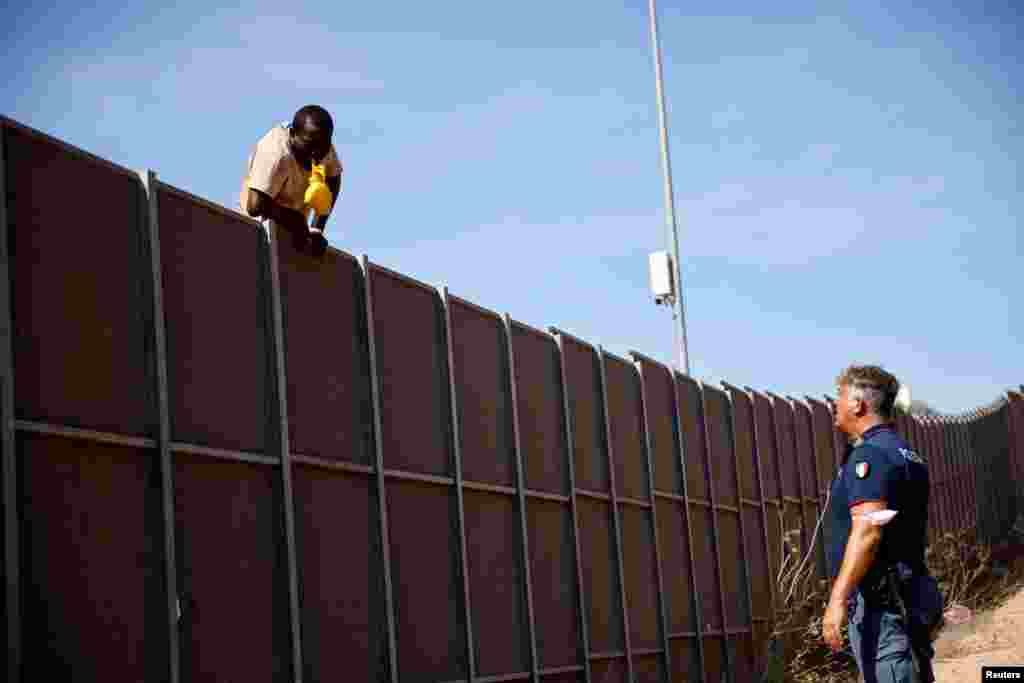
x=883, y=467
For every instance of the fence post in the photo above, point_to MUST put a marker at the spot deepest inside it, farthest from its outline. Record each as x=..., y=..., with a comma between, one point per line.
x=741, y=503
x=281, y=425
x=459, y=491
x=521, y=496
x=638, y=361
x=152, y=214
x=12, y=564
x=616, y=522
x=730, y=665
x=698, y=610
x=570, y=450
x=389, y=604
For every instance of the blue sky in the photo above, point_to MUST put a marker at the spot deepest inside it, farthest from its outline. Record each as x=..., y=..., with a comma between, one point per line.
x=846, y=174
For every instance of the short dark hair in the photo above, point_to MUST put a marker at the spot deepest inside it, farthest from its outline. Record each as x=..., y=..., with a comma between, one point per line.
x=315, y=114
x=874, y=385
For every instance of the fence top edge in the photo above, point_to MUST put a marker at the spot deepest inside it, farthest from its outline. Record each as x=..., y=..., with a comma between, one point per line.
x=526, y=327
x=207, y=204
x=6, y=122
x=569, y=336
x=645, y=360
x=609, y=356
x=401, y=277
x=466, y=303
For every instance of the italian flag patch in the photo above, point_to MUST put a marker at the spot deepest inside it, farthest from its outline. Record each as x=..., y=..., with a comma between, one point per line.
x=862, y=469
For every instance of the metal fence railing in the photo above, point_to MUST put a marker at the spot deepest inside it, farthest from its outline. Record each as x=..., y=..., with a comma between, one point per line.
x=225, y=461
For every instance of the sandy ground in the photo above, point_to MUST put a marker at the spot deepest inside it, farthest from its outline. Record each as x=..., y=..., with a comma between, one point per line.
x=992, y=638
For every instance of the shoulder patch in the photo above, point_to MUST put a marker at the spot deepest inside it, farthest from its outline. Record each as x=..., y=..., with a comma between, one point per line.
x=862, y=469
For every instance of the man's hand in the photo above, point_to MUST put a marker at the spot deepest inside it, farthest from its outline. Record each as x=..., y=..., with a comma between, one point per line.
x=832, y=624
x=262, y=206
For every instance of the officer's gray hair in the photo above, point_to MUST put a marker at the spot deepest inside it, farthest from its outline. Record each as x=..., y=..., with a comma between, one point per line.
x=873, y=385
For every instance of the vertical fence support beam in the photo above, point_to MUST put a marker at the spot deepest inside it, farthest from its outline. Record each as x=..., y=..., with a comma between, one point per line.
x=521, y=492
x=965, y=449
x=570, y=451
x=756, y=437
x=744, y=551
x=12, y=565
x=698, y=610
x=281, y=427
x=616, y=523
x=649, y=463
x=389, y=601
x=459, y=492
x=958, y=460
x=730, y=665
x=152, y=214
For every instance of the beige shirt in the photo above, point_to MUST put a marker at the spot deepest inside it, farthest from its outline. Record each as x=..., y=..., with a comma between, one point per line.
x=274, y=171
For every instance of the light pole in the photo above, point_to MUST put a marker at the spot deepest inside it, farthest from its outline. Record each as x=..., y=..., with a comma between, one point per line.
x=678, y=310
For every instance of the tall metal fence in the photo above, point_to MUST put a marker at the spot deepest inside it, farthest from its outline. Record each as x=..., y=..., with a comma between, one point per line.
x=226, y=461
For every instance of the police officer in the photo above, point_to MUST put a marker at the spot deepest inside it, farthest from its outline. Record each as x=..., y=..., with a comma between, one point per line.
x=880, y=578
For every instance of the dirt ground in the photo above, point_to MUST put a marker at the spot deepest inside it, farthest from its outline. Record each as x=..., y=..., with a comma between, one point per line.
x=992, y=638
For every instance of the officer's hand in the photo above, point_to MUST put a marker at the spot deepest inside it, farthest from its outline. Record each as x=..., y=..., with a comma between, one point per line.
x=832, y=624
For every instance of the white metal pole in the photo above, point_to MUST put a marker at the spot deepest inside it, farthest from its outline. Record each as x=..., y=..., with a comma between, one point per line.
x=679, y=310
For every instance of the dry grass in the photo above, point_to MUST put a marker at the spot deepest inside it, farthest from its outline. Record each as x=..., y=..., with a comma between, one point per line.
x=966, y=575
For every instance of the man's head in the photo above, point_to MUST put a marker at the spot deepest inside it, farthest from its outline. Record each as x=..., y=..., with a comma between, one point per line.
x=866, y=397
x=312, y=128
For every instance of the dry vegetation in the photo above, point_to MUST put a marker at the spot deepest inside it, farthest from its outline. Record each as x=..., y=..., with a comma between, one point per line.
x=966, y=574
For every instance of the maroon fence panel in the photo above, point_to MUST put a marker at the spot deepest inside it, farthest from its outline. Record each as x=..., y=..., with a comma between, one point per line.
x=827, y=465
x=1015, y=419
x=539, y=398
x=626, y=428
x=702, y=529
x=93, y=588
x=216, y=313
x=726, y=499
x=411, y=358
x=628, y=441
x=599, y=553
x=480, y=367
x=956, y=467
x=232, y=562
x=679, y=591
x=549, y=518
x=553, y=571
x=755, y=549
x=342, y=591
x=767, y=455
x=921, y=446
x=969, y=472
x=330, y=411
x=942, y=467
x=950, y=474
x=807, y=462
x=755, y=531
x=797, y=536
x=424, y=543
x=496, y=584
x=824, y=445
x=79, y=300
